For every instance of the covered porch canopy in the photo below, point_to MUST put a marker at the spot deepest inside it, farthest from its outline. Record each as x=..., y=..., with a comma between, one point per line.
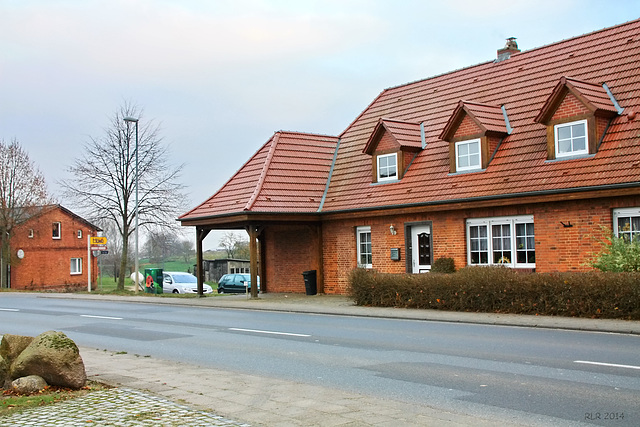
x=282, y=186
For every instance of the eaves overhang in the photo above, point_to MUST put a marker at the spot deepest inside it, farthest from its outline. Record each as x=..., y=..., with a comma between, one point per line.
x=239, y=219
x=575, y=193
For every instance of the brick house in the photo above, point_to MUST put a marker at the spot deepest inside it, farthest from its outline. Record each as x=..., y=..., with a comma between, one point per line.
x=52, y=251
x=524, y=161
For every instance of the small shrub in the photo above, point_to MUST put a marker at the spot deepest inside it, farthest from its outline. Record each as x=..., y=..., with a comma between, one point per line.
x=443, y=265
x=617, y=255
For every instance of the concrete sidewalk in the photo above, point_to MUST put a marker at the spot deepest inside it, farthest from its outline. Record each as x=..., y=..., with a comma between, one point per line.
x=258, y=400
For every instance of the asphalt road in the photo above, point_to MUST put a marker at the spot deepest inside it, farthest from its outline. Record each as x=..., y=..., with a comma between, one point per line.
x=527, y=374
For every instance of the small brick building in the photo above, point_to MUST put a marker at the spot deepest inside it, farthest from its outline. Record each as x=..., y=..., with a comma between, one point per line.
x=51, y=248
x=526, y=161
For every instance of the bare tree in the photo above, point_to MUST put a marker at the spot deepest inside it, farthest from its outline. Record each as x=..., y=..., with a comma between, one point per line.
x=104, y=179
x=235, y=244
x=186, y=250
x=22, y=192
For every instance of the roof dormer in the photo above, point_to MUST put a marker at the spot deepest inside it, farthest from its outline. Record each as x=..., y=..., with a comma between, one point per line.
x=474, y=132
x=576, y=115
x=392, y=145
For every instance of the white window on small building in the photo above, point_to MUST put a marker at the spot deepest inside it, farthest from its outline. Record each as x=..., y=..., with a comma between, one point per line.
x=626, y=223
x=76, y=265
x=507, y=241
x=365, y=256
x=387, y=167
x=79, y=234
x=468, y=155
x=571, y=139
x=56, y=230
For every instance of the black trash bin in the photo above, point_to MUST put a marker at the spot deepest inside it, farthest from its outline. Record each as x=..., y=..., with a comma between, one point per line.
x=310, y=282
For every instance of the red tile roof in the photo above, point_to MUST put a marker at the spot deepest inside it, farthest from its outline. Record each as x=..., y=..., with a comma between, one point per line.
x=289, y=173
x=406, y=134
x=489, y=118
x=522, y=84
x=593, y=96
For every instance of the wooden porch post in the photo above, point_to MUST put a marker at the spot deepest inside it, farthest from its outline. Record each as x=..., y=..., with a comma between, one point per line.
x=253, y=231
x=200, y=235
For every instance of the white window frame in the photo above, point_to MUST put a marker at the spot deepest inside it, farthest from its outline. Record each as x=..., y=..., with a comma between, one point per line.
x=393, y=177
x=633, y=233
x=491, y=243
x=76, y=266
x=59, y=228
x=364, y=243
x=79, y=234
x=469, y=167
x=573, y=152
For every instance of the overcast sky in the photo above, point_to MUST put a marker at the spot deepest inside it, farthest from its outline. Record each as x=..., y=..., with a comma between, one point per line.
x=221, y=77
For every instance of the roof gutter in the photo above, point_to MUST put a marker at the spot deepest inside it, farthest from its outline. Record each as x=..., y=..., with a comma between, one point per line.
x=435, y=203
x=494, y=197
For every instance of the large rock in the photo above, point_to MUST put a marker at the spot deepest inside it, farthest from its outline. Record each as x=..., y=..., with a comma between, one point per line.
x=53, y=356
x=28, y=385
x=10, y=347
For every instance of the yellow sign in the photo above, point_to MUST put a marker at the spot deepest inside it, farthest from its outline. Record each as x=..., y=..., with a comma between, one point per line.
x=98, y=241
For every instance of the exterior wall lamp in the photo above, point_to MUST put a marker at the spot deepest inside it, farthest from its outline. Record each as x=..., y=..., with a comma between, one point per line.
x=392, y=230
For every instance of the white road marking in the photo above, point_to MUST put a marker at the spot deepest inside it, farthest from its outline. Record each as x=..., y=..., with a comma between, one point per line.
x=101, y=317
x=269, y=332
x=614, y=365
x=9, y=309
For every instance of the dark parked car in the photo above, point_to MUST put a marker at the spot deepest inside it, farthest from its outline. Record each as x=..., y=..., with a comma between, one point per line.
x=235, y=283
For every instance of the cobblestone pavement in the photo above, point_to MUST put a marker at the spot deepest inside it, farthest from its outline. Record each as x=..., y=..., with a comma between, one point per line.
x=116, y=407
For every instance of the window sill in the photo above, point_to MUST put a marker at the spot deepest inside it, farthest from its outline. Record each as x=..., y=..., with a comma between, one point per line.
x=576, y=157
x=466, y=171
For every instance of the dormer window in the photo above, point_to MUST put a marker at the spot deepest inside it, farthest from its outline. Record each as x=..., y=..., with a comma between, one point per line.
x=474, y=133
x=571, y=139
x=392, y=146
x=388, y=167
x=468, y=155
x=576, y=115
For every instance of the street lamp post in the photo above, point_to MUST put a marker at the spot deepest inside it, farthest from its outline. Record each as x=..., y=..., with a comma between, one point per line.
x=137, y=262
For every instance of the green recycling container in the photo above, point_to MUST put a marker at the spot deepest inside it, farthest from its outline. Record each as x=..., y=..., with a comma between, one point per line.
x=153, y=280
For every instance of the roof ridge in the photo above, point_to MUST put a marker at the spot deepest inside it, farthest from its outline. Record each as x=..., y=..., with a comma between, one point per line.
x=263, y=173
x=281, y=131
x=450, y=72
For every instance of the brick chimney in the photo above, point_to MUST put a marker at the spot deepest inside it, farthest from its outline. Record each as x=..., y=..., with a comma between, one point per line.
x=509, y=48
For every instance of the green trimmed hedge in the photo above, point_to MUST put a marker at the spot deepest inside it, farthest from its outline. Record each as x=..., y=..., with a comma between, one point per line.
x=504, y=290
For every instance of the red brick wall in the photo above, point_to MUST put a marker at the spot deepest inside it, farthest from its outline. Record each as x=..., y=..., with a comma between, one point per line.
x=467, y=127
x=558, y=248
x=387, y=142
x=289, y=250
x=570, y=107
x=47, y=261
